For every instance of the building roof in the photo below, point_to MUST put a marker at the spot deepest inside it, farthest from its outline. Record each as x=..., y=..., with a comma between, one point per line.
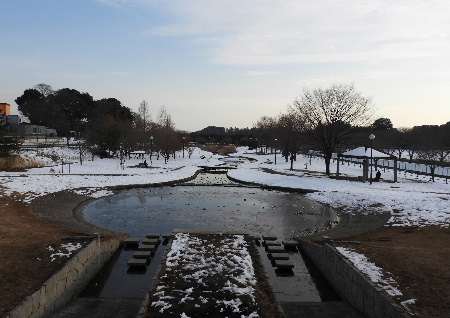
x=364, y=152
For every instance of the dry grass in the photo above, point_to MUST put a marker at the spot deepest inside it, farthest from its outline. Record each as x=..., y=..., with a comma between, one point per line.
x=25, y=260
x=418, y=259
x=12, y=163
x=220, y=149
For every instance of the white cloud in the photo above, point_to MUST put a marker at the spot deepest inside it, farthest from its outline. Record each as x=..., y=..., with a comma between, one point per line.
x=261, y=73
x=282, y=32
x=319, y=81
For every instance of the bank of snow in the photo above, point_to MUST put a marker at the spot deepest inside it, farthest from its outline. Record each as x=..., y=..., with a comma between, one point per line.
x=414, y=200
x=92, y=176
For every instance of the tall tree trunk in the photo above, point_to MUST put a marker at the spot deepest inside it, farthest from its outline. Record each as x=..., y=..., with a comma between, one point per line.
x=327, y=164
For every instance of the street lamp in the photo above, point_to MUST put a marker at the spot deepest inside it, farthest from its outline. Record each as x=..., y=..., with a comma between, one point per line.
x=151, y=147
x=371, y=137
x=276, y=150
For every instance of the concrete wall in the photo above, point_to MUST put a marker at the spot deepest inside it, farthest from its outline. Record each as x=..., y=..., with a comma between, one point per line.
x=351, y=284
x=68, y=282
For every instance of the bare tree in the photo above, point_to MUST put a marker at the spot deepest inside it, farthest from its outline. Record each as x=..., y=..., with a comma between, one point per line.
x=265, y=127
x=142, y=125
x=288, y=130
x=330, y=114
x=44, y=89
x=165, y=135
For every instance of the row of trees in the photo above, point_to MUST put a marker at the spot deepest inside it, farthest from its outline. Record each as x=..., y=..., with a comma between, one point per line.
x=338, y=118
x=106, y=125
x=321, y=119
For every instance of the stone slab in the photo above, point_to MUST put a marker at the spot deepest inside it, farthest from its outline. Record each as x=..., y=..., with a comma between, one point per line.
x=152, y=235
x=146, y=247
x=131, y=241
x=290, y=244
x=142, y=254
x=281, y=264
x=275, y=249
x=279, y=256
x=150, y=241
x=166, y=236
x=137, y=262
x=272, y=243
x=269, y=238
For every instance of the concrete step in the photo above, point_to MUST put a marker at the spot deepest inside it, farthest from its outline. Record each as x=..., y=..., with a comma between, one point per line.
x=137, y=262
x=150, y=241
x=142, y=254
x=284, y=265
x=131, y=241
x=146, y=247
x=275, y=249
x=272, y=243
x=153, y=235
x=279, y=256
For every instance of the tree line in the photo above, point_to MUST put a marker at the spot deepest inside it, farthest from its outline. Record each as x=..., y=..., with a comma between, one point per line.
x=339, y=118
x=106, y=124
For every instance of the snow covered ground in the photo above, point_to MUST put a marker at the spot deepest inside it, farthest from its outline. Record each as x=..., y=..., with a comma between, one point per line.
x=414, y=200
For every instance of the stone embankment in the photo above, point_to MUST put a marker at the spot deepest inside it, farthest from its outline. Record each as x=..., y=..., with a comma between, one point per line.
x=68, y=282
x=352, y=285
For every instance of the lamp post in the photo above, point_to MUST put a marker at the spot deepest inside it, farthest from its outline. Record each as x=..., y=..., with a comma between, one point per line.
x=371, y=137
x=151, y=147
x=184, y=138
x=276, y=150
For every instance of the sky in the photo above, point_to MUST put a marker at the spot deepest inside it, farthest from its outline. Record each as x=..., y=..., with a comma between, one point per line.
x=228, y=63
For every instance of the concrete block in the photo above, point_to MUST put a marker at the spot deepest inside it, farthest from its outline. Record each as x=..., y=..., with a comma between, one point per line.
x=290, y=244
x=272, y=243
x=142, y=254
x=279, y=256
x=153, y=235
x=145, y=247
x=134, y=262
x=150, y=241
x=131, y=241
x=269, y=238
x=284, y=265
x=275, y=249
x=166, y=236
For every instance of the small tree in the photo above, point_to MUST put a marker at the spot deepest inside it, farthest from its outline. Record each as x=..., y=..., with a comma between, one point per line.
x=7, y=143
x=329, y=115
x=288, y=130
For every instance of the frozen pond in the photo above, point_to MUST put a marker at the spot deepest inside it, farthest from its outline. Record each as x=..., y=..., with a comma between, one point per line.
x=202, y=205
x=229, y=208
